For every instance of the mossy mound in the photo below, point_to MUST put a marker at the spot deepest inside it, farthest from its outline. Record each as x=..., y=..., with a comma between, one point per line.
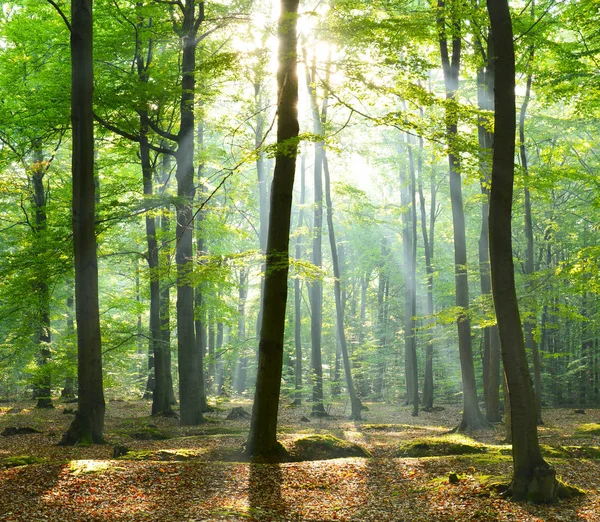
x=588, y=430
x=324, y=447
x=21, y=460
x=565, y=452
x=180, y=455
x=440, y=446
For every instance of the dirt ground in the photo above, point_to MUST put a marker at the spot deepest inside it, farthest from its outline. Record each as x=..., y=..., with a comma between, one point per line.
x=198, y=473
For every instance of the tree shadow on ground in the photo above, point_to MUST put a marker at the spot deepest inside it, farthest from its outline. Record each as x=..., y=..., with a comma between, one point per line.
x=264, y=492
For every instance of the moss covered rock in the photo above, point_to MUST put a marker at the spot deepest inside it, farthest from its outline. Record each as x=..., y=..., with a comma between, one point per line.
x=440, y=446
x=323, y=447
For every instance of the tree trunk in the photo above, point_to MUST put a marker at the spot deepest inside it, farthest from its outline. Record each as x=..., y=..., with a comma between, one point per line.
x=491, y=358
x=242, y=362
x=316, y=287
x=262, y=440
x=410, y=284
x=165, y=292
x=298, y=289
x=188, y=351
x=199, y=301
x=355, y=403
x=88, y=424
x=529, y=322
x=68, y=392
x=533, y=478
x=428, y=248
x=43, y=383
x=382, y=321
x=472, y=419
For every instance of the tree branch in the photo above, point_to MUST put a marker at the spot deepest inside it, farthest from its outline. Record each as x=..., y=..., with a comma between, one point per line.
x=59, y=11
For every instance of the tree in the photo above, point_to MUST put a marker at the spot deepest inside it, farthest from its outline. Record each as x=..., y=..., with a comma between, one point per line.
x=355, y=404
x=533, y=479
x=316, y=288
x=472, y=419
x=262, y=440
x=88, y=424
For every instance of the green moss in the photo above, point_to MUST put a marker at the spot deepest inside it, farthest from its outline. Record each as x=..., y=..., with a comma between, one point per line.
x=440, y=446
x=21, y=460
x=588, y=430
x=162, y=455
x=565, y=490
x=322, y=447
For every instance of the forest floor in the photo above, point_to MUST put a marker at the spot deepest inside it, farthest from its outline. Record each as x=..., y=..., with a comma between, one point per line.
x=198, y=473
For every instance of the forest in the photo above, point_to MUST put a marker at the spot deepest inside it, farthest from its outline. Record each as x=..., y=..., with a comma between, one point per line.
x=299, y=260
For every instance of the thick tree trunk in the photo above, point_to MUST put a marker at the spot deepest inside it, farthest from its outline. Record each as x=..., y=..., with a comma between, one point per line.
x=188, y=350
x=88, y=424
x=355, y=403
x=262, y=440
x=472, y=419
x=298, y=289
x=533, y=478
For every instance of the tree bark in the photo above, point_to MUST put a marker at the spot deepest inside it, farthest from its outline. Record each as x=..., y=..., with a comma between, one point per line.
x=472, y=419
x=491, y=357
x=410, y=282
x=355, y=403
x=262, y=440
x=428, y=249
x=88, y=425
x=529, y=321
x=43, y=385
x=298, y=289
x=533, y=478
x=316, y=287
x=188, y=351
x=165, y=291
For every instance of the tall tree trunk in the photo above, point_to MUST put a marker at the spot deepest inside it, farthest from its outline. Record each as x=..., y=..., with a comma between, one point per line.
x=472, y=419
x=316, y=287
x=428, y=248
x=188, y=351
x=410, y=282
x=298, y=288
x=382, y=321
x=44, y=381
x=529, y=320
x=491, y=357
x=165, y=291
x=355, y=403
x=88, y=425
x=533, y=478
x=199, y=299
x=242, y=362
x=68, y=392
x=262, y=440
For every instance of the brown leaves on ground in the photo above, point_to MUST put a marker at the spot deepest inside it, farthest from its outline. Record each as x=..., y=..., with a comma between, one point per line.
x=86, y=484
